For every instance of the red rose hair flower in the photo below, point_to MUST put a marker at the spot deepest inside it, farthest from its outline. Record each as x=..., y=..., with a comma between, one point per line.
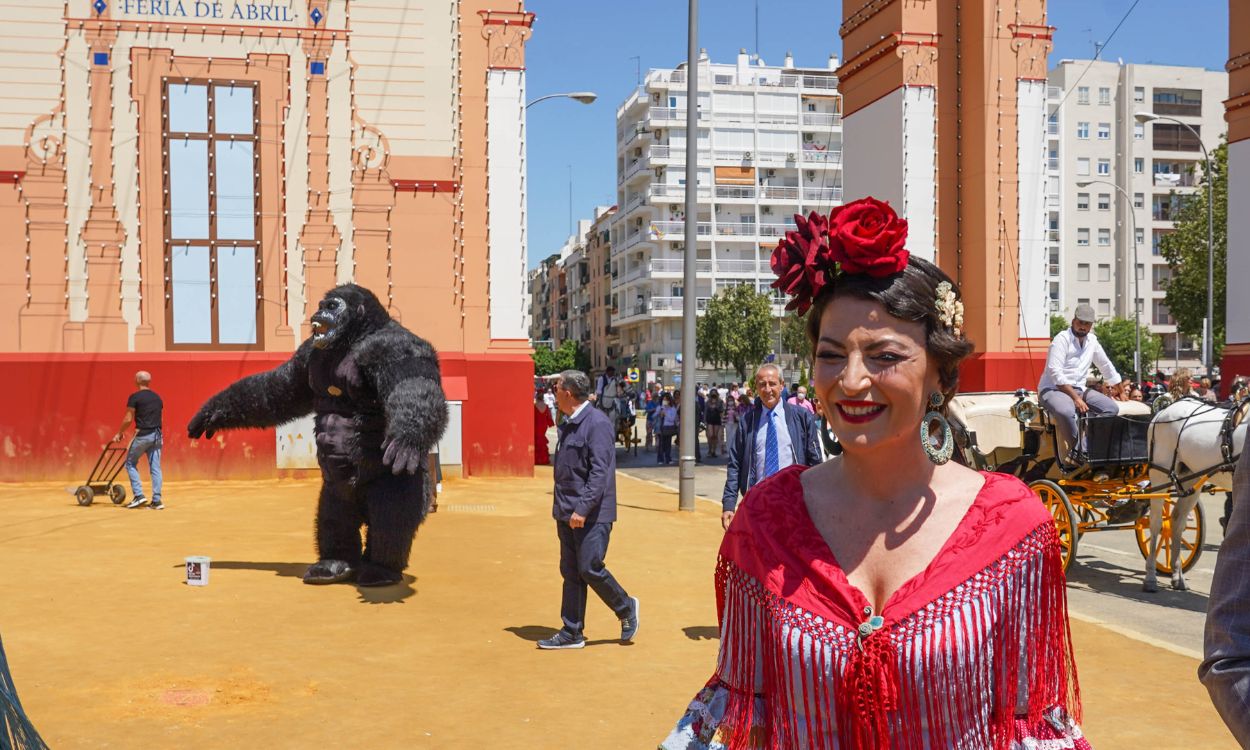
x=864, y=236
x=868, y=237
x=803, y=261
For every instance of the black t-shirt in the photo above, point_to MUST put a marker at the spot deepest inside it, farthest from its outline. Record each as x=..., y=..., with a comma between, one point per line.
x=147, y=406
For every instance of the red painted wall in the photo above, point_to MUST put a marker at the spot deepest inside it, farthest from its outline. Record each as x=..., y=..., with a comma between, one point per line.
x=1002, y=371
x=61, y=409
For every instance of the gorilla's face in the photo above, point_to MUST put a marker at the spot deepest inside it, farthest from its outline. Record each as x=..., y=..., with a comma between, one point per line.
x=330, y=321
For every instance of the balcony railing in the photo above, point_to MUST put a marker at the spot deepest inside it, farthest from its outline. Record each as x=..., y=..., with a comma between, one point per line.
x=675, y=230
x=831, y=156
x=676, y=265
x=632, y=169
x=821, y=118
x=750, y=267
x=823, y=194
x=735, y=191
x=675, y=304
x=779, y=192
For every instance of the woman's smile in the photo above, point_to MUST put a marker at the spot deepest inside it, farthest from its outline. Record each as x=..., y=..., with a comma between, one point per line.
x=859, y=412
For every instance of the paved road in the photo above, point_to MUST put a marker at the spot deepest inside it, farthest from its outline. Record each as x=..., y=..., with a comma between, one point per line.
x=1104, y=581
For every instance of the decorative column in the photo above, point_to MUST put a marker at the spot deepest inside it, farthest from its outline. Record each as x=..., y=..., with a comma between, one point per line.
x=319, y=238
x=506, y=33
x=945, y=119
x=1236, y=356
x=102, y=235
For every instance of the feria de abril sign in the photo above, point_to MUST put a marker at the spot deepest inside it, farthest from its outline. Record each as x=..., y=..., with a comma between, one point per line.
x=261, y=12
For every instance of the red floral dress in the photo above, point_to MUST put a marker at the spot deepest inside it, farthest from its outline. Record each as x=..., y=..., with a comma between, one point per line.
x=973, y=652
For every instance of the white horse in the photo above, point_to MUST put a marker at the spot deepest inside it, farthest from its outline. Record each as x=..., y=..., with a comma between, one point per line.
x=1186, y=437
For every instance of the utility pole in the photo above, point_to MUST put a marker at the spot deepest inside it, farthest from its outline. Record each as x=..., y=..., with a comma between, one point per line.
x=685, y=461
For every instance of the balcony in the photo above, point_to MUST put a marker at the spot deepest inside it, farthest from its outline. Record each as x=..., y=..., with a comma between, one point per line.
x=821, y=119
x=675, y=230
x=822, y=194
x=816, y=156
x=1052, y=164
x=676, y=265
x=676, y=193
x=735, y=192
x=742, y=267
x=670, y=306
x=779, y=192
x=634, y=167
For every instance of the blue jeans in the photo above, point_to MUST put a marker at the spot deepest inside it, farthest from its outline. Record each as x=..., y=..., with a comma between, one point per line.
x=151, y=445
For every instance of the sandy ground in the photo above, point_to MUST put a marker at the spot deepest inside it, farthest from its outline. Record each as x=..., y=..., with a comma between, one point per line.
x=110, y=649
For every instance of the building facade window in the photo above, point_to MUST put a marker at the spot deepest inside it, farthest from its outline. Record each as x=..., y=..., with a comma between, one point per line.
x=1082, y=272
x=1104, y=308
x=1082, y=94
x=1139, y=200
x=212, y=188
x=1139, y=131
x=1104, y=201
x=1140, y=236
x=1139, y=165
x=1104, y=237
x=1104, y=131
x=1104, y=166
x=1161, y=315
x=1139, y=94
x=1104, y=272
x=1082, y=236
x=1082, y=166
x=1082, y=130
x=1082, y=201
x=1104, y=95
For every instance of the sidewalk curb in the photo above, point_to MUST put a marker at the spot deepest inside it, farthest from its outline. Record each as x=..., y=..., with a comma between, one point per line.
x=1141, y=637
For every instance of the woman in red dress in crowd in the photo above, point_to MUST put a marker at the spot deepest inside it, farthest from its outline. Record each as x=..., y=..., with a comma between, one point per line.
x=542, y=423
x=889, y=597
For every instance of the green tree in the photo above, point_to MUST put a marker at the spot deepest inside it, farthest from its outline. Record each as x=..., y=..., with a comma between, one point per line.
x=1117, y=339
x=794, y=337
x=1057, y=324
x=568, y=356
x=1186, y=253
x=736, y=329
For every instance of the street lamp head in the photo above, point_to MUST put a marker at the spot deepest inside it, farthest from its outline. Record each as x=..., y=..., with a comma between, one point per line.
x=1084, y=183
x=585, y=97
x=1145, y=116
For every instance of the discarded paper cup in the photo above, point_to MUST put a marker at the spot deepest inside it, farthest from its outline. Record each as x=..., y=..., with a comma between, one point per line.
x=197, y=570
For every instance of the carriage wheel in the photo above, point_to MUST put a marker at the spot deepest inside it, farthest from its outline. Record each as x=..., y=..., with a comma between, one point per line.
x=1060, y=507
x=1191, y=539
x=118, y=494
x=85, y=495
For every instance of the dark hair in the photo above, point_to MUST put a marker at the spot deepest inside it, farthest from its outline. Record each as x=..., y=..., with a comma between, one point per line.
x=909, y=295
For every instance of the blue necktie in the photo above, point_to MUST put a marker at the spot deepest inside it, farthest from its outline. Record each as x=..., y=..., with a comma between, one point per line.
x=771, y=449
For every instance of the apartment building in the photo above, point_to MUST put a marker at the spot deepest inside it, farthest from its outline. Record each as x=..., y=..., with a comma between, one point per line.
x=769, y=146
x=604, y=346
x=1108, y=256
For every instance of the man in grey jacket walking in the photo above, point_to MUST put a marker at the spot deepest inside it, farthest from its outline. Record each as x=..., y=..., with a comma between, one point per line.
x=584, y=509
x=1226, y=669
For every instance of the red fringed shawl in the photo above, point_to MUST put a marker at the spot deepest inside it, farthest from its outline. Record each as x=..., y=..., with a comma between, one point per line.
x=974, y=643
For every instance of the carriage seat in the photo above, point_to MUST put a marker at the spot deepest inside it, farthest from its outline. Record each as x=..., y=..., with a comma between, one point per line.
x=988, y=416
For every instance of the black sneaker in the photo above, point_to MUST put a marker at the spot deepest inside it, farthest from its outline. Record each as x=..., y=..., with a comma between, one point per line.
x=139, y=500
x=157, y=505
x=629, y=624
x=561, y=640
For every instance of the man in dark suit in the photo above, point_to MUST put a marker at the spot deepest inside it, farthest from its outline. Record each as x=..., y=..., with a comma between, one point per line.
x=770, y=437
x=584, y=509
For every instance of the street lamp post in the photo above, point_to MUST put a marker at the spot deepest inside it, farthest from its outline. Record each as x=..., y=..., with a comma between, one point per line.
x=585, y=97
x=1208, y=337
x=686, y=461
x=1136, y=280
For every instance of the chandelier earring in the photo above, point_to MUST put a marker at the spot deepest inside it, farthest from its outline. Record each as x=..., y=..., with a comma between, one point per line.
x=938, y=452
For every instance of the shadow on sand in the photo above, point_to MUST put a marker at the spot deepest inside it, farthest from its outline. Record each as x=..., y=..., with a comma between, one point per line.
x=702, y=632
x=367, y=595
x=536, y=633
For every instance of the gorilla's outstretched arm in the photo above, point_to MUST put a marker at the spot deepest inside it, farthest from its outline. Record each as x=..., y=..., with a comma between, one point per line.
x=261, y=400
x=405, y=374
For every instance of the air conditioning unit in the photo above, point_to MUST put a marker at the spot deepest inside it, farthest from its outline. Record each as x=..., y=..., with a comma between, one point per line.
x=637, y=152
x=766, y=210
x=790, y=156
x=807, y=136
x=771, y=173
x=746, y=156
x=811, y=174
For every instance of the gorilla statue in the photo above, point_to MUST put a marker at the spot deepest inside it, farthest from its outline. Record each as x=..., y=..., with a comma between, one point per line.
x=379, y=407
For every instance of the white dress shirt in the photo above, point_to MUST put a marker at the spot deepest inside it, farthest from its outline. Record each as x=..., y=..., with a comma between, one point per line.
x=785, y=450
x=1068, y=362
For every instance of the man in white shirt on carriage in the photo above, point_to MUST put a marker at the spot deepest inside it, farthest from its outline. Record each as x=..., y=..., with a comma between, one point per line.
x=1062, y=388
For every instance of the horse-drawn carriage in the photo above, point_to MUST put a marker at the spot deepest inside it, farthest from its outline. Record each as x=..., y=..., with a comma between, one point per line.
x=1141, y=469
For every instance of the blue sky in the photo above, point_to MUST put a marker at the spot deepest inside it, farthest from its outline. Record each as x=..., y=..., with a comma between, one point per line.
x=581, y=45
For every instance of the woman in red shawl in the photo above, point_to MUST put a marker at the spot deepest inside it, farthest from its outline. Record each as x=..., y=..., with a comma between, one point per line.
x=887, y=598
x=542, y=423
